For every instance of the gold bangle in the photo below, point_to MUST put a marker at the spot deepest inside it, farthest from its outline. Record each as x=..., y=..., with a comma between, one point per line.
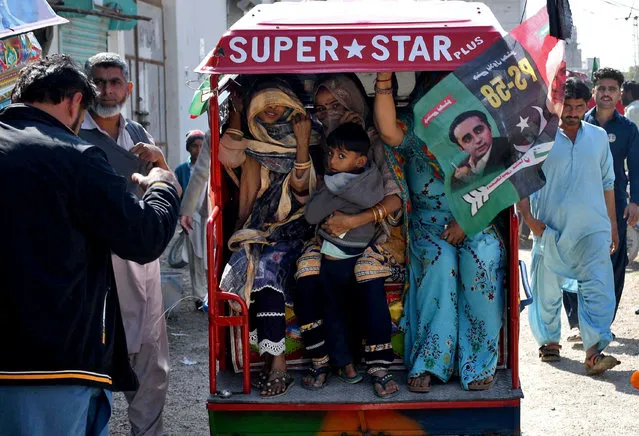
x=380, y=212
x=303, y=165
x=383, y=210
x=383, y=91
x=235, y=132
x=376, y=216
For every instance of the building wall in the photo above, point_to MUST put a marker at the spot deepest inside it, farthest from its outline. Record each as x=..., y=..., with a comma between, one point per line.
x=191, y=30
x=509, y=13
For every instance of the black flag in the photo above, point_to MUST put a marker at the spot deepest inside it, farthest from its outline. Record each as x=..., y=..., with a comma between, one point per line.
x=560, y=18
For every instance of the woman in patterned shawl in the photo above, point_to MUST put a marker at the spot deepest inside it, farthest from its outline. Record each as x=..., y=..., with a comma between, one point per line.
x=277, y=176
x=454, y=305
x=340, y=99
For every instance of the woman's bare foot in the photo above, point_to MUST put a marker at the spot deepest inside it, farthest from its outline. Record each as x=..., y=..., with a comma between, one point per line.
x=420, y=383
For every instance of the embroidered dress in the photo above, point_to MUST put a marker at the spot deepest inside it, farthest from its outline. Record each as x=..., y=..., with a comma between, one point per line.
x=454, y=304
x=265, y=250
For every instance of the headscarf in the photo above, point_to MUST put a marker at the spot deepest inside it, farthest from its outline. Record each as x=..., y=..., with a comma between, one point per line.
x=349, y=94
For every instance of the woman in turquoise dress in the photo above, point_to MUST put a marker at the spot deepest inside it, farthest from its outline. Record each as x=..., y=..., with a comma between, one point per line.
x=454, y=302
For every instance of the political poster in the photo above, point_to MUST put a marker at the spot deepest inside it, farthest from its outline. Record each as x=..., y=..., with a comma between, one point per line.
x=492, y=122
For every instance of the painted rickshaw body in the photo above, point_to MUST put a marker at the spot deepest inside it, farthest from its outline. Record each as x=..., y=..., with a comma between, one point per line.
x=364, y=37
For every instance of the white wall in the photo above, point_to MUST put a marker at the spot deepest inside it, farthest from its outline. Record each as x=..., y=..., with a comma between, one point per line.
x=507, y=12
x=192, y=28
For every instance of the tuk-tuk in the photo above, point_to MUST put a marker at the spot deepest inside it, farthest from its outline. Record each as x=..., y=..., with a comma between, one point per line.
x=307, y=39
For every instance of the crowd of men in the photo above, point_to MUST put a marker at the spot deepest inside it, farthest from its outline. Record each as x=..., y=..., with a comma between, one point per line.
x=93, y=204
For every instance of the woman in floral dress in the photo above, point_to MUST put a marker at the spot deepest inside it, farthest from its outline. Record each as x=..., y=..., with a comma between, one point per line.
x=454, y=303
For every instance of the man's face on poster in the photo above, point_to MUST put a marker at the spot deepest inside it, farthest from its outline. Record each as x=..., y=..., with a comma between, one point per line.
x=474, y=137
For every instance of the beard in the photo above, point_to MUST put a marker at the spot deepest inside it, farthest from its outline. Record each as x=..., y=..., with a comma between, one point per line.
x=570, y=121
x=108, y=110
x=75, y=124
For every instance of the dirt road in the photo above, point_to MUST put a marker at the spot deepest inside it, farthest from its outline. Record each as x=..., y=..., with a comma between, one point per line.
x=559, y=398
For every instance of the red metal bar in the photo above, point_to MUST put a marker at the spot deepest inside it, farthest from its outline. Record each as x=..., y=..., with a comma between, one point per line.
x=513, y=283
x=362, y=406
x=211, y=240
x=214, y=241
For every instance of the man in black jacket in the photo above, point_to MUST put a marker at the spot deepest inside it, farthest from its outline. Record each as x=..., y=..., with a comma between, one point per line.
x=131, y=149
x=64, y=211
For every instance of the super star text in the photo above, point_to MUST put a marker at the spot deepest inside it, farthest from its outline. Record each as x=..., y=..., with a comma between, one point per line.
x=329, y=48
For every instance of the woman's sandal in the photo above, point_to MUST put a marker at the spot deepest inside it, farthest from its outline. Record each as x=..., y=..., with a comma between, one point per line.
x=271, y=387
x=316, y=373
x=550, y=353
x=383, y=381
x=350, y=380
x=482, y=385
x=421, y=388
x=599, y=363
x=258, y=381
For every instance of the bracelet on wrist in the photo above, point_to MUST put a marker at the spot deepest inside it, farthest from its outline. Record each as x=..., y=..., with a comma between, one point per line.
x=303, y=165
x=235, y=132
x=383, y=91
x=382, y=81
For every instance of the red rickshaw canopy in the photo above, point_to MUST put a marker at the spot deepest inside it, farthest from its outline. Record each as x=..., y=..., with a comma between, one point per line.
x=319, y=37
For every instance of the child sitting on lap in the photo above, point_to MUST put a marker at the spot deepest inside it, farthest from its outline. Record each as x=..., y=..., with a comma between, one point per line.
x=351, y=185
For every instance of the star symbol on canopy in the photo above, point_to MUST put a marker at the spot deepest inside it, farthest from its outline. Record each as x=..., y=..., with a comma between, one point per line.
x=354, y=49
x=523, y=123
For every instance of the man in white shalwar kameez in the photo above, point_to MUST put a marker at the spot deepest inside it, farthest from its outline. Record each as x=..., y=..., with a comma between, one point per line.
x=574, y=226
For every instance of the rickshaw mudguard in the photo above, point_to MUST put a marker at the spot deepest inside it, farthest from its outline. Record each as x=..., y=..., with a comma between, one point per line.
x=501, y=420
x=229, y=410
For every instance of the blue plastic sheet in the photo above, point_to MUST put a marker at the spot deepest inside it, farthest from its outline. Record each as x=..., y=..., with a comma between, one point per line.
x=22, y=16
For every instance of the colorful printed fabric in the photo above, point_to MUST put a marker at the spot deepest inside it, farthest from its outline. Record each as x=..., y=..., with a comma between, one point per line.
x=454, y=304
x=275, y=225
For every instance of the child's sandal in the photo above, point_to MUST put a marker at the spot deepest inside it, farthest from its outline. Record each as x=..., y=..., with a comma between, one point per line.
x=316, y=373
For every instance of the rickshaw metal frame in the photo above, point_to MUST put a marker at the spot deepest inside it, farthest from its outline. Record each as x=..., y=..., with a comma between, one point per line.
x=218, y=320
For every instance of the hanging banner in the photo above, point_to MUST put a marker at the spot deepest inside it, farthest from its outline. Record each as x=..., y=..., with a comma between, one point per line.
x=492, y=122
x=21, y=16
x=15, y=53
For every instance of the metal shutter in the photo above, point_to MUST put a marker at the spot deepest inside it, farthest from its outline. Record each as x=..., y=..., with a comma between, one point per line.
x=83, y=36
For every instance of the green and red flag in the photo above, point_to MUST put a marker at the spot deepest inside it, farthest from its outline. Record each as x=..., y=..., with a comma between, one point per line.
x=595, y=67
x=515, y=89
